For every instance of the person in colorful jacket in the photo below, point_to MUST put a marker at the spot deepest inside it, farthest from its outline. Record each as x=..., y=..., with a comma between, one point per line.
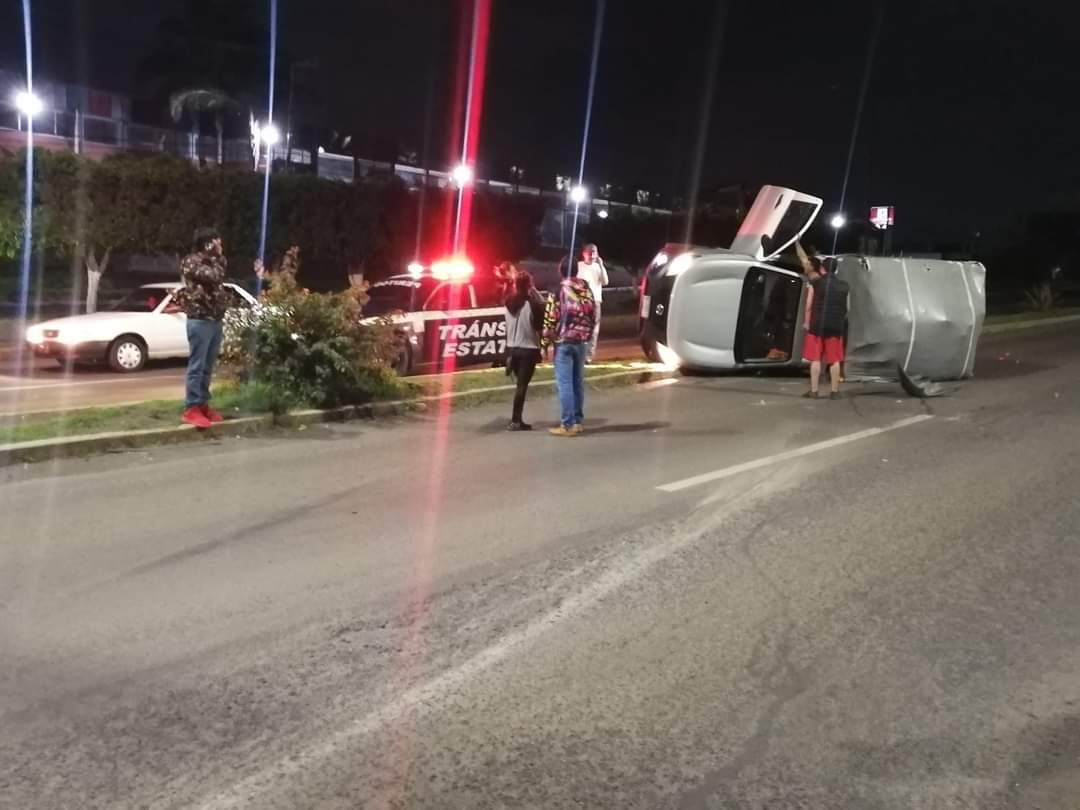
x=204, y=299
x=568, y=325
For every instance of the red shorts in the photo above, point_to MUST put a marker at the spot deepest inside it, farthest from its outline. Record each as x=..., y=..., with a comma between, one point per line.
x=829, y=349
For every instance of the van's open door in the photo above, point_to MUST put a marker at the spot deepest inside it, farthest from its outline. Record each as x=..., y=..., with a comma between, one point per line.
x=777, y=218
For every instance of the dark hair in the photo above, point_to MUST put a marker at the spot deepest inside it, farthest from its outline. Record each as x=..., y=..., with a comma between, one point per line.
x=568, y=266
x=203, y=237
x=523, y=285
x=816, y=264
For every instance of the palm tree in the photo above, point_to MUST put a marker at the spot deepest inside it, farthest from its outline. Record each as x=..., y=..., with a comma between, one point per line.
x=200, y=100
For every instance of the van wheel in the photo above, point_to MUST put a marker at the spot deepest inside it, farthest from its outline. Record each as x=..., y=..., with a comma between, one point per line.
x=127, y=354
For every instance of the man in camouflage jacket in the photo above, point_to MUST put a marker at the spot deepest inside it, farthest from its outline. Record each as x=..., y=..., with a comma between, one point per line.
x=204, y=299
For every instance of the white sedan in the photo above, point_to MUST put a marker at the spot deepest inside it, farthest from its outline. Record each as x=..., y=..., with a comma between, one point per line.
x=146, y=325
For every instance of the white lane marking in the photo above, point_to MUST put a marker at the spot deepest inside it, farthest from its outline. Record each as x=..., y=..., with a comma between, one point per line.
x=112, y=381
x=648, y=386
x=249, y=791
x=727, y=472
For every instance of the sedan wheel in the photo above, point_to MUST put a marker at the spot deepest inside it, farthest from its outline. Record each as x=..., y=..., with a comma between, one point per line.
x=127, y=354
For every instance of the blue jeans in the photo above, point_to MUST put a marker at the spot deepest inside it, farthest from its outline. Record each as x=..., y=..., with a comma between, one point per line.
x=204, y=341
x=570, y=380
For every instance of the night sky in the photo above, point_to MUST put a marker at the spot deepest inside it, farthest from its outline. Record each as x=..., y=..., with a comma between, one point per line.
x=971, y=114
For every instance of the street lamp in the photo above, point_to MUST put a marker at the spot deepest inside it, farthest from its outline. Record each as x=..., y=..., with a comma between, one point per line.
x=578, y=194
x=462, y=175
x=602, y=213
x=837, y=222
x=269, y=134
x=28, y=104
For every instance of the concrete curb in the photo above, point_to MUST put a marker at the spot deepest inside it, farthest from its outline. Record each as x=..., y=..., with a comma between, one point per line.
x=75, y=446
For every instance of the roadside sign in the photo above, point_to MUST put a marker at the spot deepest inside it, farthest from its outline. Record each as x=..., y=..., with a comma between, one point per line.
x=883, y=216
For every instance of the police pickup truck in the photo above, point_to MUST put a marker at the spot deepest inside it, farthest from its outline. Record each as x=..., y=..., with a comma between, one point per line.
x=447, y=316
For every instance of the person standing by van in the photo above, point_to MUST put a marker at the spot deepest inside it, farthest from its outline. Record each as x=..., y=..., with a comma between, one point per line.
x=592, y=269
x=825, y=322
x=524, y=319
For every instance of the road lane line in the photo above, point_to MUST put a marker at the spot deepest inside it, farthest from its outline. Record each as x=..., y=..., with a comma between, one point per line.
x=115, y=380
x=249, y=791
x=728, y=472
x=648, y=386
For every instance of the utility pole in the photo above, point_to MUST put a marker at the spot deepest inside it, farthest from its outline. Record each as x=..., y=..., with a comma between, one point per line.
x=289, y=107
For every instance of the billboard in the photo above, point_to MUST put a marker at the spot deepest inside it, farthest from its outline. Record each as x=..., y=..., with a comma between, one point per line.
x=882, y=216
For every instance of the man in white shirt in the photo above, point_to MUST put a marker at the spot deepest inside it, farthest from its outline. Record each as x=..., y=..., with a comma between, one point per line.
x=591, y=269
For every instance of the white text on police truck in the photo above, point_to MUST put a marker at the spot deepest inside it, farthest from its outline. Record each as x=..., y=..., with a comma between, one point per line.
x=464, y=340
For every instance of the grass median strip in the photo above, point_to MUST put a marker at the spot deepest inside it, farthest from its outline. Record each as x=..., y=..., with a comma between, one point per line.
x=143, y=416
x=471, y=387
x=1024, y=317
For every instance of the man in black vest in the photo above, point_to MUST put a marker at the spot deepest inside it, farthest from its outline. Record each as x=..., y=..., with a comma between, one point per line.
x=824, y=323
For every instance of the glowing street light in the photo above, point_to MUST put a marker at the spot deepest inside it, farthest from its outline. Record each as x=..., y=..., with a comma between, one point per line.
x=838, y=221
x=462, y=175
x=28, y=104
x=269, y=134
x=578, y=194
x=602, y=213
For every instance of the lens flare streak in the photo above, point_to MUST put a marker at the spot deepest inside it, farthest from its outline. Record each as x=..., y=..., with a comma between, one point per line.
x=269, y=147
x=598, y=30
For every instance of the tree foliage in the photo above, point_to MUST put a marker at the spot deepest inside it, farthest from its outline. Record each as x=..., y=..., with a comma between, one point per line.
x=133, y=204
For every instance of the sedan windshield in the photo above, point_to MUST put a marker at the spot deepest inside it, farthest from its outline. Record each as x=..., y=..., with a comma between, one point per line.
x=141, y=300
x=386, y=298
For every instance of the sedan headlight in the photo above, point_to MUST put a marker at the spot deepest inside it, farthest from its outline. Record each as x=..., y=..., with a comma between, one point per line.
x=34, y=334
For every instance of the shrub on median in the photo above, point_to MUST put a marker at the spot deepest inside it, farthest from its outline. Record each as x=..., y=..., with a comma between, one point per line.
x=300, y=348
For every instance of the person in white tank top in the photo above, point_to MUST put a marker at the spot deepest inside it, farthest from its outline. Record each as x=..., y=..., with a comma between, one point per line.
x=591, y=269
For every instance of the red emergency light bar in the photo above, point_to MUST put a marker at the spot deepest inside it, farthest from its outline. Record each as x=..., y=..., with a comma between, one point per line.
x=453, y=268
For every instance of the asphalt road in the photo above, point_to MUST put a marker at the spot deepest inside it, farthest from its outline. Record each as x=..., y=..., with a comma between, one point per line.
x=722, y=596
x=44, y=386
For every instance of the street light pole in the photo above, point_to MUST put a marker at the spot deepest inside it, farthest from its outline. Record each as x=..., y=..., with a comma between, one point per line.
x=28, y=105
x=269, y=135
x=288, y=117
x=837, y=222
x=289, y=106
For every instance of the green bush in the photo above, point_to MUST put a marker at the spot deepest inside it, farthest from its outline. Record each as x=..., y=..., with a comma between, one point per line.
x=300, y=348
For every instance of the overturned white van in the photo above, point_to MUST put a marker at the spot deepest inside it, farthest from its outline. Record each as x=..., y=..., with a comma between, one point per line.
x=717, y=309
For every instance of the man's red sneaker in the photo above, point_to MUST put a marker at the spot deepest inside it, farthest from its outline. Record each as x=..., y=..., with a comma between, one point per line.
x=195, y=416
x=211, y=415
